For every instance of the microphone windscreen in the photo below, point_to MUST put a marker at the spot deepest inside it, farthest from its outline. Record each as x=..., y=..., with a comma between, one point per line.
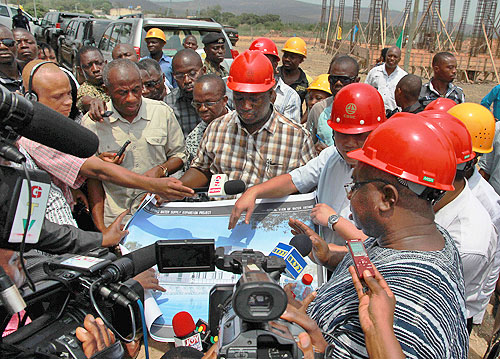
x=302, y=243
x=52, y=129
x=183, y=324
x=142, y=258
x=234, y=187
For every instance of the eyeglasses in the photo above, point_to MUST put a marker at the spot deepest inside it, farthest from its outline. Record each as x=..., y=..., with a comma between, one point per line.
x=197, y=104
x=191, y=74
x=333, y=79
x=8, y=42
x=354, y=186
x=152, y=83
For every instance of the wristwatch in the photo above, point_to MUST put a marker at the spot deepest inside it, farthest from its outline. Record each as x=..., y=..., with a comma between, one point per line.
x=332, y=220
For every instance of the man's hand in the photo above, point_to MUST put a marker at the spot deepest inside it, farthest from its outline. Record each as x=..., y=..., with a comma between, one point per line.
x=171, y=189
x=320, y=214
x=320, y=251
x=97, y=107
x=155, y=172
x=320, y=146
x=245, y=203
x=148, y=280
x=78, y=195
x=377, y=305
x=112, y=235
x=95, y=337
x=111, y=157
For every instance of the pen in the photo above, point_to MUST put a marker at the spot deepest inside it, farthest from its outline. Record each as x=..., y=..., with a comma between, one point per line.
x=320, y=139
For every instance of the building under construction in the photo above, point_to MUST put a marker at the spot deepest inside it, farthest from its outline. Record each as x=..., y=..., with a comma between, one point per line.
x=430, y=31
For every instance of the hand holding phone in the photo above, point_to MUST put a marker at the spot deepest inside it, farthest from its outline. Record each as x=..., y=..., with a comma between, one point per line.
x=107, y=113
x=120, y=152
x=360, y=257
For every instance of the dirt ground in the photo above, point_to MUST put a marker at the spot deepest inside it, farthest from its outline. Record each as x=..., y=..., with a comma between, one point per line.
x=317, y=62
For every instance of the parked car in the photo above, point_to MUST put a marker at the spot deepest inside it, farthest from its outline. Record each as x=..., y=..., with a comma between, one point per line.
x=133, y=29
x=7, y=12
x=78, y=32
x=50, y=26
x=232, y=33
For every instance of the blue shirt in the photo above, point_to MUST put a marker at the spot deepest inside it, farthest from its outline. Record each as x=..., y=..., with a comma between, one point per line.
x=166, y=66
x=493, y=97
x=325, y=132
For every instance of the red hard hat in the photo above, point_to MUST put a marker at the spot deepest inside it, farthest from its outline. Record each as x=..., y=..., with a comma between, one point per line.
x=266, y=46
x=357, y=108
x=251, y=72
x=412, y=148
x=441, y=104
x=456, y=131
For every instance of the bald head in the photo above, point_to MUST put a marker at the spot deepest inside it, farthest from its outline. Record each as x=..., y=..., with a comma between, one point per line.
x=120, y=69
x=41, y=73
x=346, y=64
x=442, y=57
x=392, y=58
x=186, y=57
x=209, y=97
x=125, y=51
x=410, y=86
x=187, y=67
x=190, y=42
x=211, y=83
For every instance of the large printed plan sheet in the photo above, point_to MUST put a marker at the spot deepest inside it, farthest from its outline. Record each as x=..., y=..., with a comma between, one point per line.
x=205, y=220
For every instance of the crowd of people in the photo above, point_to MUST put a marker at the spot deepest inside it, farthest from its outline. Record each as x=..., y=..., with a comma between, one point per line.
x=409, y=167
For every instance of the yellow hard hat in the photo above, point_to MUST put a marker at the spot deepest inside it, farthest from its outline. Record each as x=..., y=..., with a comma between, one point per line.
x=296, y=45
x=156, y=33
x=321, y=83
x=480, y=123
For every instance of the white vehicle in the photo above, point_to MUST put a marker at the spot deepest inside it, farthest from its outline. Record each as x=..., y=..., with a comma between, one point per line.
x=7, y=12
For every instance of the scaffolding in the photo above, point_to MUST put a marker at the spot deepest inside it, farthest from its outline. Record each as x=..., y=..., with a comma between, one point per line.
x=461, y=28
x=355, y=19
x=378, y=11
x=451, y=17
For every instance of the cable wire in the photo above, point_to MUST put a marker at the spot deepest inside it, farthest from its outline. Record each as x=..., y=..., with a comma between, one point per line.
x=26, y=227
x=144, y=328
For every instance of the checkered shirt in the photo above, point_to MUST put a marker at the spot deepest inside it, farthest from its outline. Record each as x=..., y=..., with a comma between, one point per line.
x=63, y=169
x=87, y=89
x=184, y=112
x=277, y=148
x=429, y=94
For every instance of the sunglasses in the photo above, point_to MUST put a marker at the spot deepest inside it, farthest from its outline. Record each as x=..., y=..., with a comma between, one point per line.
x=152, y=83
x=345, y=80
x=8, y=42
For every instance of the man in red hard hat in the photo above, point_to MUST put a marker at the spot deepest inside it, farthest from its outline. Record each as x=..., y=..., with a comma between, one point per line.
x=254, y=143
x=357, y=110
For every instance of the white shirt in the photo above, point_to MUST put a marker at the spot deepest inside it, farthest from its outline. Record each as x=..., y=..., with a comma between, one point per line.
x=385, y=84
x=329, y=172
x=287, y=101
x=471, y=228
x=490, y=200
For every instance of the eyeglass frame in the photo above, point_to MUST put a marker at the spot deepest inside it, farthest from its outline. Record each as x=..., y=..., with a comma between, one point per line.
x=152, y=83
x=207, y=104
x=188, y=74
x=349, y=80
x=353, y=186
x=13, y=42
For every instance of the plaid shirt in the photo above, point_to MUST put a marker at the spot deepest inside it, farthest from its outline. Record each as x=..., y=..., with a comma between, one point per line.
x=63, y=169
x=277, y=148
x=429, y=94
x=87, y=89
x=211, y=69
x=184, y=112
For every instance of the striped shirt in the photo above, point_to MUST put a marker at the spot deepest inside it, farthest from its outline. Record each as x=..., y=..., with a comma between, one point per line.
x=429, y=320
x=287, y=101
x=276, y=148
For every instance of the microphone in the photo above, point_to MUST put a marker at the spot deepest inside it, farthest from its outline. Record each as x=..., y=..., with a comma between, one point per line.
x=185, y=331
x=300, y=246
x=9, y=294
x=44, y=125
x=220, y=186
x=130, y=264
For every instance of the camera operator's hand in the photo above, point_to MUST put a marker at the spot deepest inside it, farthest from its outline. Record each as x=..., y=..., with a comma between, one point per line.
x=148, y=280
x=305, y=344
x=111, y=157
x=97, y=107
x=301, y=305
x=95, y=337
x=298, y=316
x=113, y=234
x=211, y=353
x=376, y=315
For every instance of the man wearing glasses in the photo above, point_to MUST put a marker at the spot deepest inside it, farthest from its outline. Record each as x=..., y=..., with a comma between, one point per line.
x=90, y=62
x=357, y=110
x=343, y=71
x=153, y=80
x=10, y=73
x=187, y=67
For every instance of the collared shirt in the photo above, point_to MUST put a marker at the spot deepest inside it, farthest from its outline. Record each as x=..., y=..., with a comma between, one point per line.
x=429, y=94
x=287, y=101
x=490, y=162
x=64, y=169
x=385, y=83
x=193, y=141
x=11, y=84
x=429, y=319
x=94, y=91
x=166, y=66
x=212, y=69
x=184, y=112
x=329, y=172
x=470, y=226
x=415, y=108
x=325, y=132
x=155, y=136
x=278, y=147
x=313, y=116
x=490, y=200
x=58, y=209
x=493, y=97
x=300, y=85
